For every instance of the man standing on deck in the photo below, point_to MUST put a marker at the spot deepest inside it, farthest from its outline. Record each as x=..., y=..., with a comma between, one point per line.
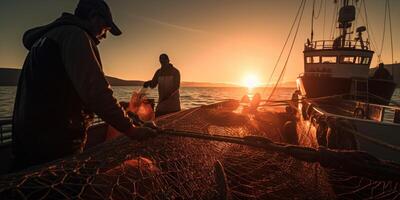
x=62, y=84
x=168, y=80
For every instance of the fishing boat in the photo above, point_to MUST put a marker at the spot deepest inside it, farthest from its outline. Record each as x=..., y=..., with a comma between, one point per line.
x=341, y=105
x=227, y=150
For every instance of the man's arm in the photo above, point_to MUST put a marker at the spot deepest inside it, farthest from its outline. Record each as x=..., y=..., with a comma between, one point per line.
x=177, y=80
x=153, y=82
x=84, y=70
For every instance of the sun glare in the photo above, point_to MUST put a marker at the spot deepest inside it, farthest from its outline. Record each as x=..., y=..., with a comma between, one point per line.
x=250, y=81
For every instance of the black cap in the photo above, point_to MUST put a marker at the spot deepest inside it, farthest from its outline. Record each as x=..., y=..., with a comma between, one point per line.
x=101, y=7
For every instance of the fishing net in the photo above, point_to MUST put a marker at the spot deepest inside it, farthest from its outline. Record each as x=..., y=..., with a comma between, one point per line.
x=171, y=167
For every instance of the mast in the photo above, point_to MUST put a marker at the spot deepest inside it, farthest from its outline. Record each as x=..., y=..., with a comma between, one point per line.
x=347, y=14
x=345, y=24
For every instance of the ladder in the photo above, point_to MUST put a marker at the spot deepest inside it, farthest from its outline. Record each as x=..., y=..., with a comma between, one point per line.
x=359, y=89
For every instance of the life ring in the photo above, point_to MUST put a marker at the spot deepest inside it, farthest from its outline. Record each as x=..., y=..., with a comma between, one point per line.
x=359, y=113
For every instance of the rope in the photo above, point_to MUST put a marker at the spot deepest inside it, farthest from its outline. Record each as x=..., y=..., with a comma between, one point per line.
x=355, y=162
x=290, y=51
x=370, y=34
x=284, y=46
x=333, y=21
x=323, y=27
x=319, y=10
x=384, y=32
x=391, y=35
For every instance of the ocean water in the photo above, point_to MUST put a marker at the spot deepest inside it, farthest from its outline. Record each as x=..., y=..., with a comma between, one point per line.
x=190, y=96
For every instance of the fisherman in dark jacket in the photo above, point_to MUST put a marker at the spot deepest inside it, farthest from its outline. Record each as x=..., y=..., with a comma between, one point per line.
x=382, y=73
x=168, y=80
x=62, y=84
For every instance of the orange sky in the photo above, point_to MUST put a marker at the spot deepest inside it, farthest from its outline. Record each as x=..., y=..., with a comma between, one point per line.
x=208, y=40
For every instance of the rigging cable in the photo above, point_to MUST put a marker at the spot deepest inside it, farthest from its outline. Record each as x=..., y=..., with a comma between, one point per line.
x=357, y=16
x=370, y=34
x=312, y=21
x=323, y=27
x=319, y=10
x=384, y=33
x=331, y=35
x=290, y=51
x=284, y=46
x=390, y=28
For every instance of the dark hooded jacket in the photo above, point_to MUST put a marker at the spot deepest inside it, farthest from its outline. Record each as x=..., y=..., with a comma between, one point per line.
x=60, y=85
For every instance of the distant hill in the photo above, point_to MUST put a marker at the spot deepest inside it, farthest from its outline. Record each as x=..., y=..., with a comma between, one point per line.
x=205, y=84
x=120, y=82
x=9, y=77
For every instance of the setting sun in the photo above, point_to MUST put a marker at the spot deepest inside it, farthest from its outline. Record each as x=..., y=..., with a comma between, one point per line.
x=251, y=81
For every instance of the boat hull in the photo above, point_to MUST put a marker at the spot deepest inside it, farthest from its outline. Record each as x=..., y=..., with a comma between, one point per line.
x=380, y=139
x=380, y=91
x=314, y=86
x=384, y=89
x=377, y=139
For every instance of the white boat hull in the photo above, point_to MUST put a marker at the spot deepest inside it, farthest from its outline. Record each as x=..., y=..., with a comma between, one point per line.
x=380, y=139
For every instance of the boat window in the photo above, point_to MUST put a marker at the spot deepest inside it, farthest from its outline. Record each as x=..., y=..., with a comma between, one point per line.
x=358, y=60
x=366, y=60
x=312, y=59
x=347, y=59
x=329, y=59
x=308, y=59
x=315, y=59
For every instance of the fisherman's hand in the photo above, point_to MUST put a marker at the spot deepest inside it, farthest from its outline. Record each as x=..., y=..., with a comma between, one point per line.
x=146, y=84
x=151, y=125
x=140, y=133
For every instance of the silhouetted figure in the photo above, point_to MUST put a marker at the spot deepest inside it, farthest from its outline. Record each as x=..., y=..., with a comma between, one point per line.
x=62, y=85
x=382, y=73
x=255, y=102
x=168, y=80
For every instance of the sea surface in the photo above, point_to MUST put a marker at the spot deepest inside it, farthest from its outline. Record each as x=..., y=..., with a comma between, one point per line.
x=190, y=96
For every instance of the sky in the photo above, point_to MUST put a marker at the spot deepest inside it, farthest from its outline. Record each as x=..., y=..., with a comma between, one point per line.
x=221, y=41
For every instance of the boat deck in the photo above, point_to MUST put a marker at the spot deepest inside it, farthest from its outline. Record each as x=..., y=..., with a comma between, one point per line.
x=172, y=166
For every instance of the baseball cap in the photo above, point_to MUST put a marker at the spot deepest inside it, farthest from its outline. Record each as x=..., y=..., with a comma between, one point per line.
x=101, y=7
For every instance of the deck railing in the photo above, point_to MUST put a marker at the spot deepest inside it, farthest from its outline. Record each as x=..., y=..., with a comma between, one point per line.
x=330, y=44
x=6, y=125
x=5, y=131
x=381, y=113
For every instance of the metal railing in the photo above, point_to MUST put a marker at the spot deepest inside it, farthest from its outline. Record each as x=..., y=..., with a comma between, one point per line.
x=5, y=131
x=6, y=126
x=316, y=74
x=330, y=44
x=380, y=113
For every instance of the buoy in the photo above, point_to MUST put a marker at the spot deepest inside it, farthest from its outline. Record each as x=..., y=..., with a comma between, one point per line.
x=289, y=132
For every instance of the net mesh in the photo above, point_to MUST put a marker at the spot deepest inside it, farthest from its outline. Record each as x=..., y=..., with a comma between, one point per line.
x=169, y=167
